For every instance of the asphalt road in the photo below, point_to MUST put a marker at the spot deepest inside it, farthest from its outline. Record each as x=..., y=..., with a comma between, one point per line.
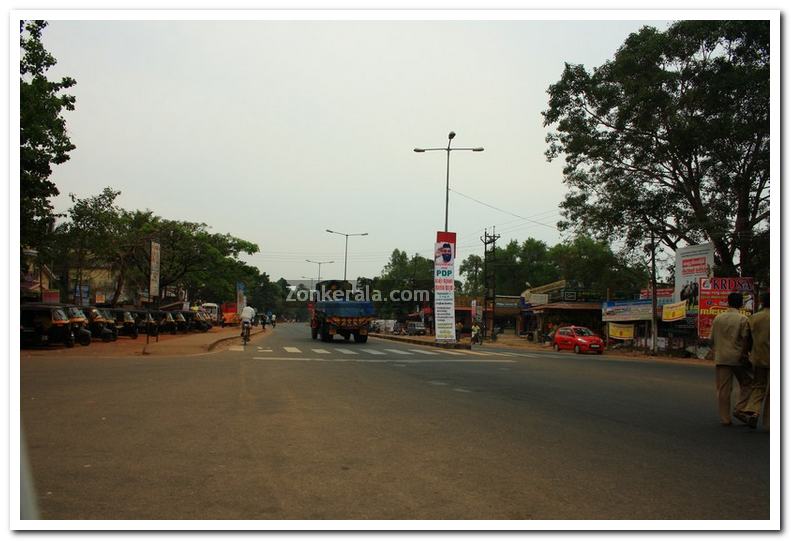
x=289, y=428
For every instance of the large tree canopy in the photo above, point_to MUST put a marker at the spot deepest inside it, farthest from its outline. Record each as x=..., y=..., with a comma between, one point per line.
x=671, y=136
x=43, y=137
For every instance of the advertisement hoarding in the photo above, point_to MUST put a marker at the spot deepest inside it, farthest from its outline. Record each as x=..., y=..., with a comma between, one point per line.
x=626, y=310
x=444, y=301
x=692, y=264
x=714, y=299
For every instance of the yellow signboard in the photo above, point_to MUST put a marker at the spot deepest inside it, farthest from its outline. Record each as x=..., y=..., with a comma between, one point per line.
x=675, y=311
x=620, y=331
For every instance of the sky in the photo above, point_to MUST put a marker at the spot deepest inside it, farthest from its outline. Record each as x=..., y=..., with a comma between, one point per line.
x=274, y=131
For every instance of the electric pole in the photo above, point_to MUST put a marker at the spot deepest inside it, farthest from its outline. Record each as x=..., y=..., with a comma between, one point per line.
x=489, y=278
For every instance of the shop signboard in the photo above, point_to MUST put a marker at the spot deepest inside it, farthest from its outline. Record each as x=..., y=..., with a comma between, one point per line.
x=714, y=299
x=674, y=311
x=621, y=331
x=639, y=310
x=444, y=302
x=692, y=264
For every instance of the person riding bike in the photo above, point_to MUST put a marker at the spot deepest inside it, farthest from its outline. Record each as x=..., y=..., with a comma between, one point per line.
x=274, y=320
x=476, y=334
x=247, y=315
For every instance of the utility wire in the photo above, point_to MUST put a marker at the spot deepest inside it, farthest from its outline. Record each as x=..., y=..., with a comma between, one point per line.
x=502, y=210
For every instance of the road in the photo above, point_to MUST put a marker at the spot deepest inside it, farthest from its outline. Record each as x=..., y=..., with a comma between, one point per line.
x=289, y=428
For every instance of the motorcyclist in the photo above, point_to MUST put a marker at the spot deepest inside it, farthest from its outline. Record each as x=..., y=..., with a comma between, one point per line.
x=247, y=315
x=274, y=320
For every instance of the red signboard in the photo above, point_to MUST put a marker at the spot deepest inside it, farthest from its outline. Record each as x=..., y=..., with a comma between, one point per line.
x=714, y=299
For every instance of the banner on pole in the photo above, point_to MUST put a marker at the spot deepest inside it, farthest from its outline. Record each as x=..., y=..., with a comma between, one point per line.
x=153, y=286
x=444, y=301
x=675, y=311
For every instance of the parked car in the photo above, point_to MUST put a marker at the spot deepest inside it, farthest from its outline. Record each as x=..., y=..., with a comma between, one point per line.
x=580, y=339
x=43, y=324
x=415, y=328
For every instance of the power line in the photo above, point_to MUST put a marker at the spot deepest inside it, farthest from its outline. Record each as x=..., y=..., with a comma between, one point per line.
x=503, y=210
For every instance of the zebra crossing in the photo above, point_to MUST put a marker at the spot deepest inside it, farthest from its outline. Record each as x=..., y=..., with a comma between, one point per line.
x=300, y=353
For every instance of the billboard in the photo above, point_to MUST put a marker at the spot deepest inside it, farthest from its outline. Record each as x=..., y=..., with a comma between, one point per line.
x=664, y=295
x=444, y=301
x=626, y=310
x=714, y=299
x=692, y=264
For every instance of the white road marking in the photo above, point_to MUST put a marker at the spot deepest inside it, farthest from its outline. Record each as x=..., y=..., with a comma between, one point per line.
x=423, y=351
x=437, y=383
x=398, y=351
x=292, y=349
x=371, y=351
x=264, y=350
x=236, y=348
x=451, y=352
x=324, y=351
x=460, y=390
x=283, y=359
x=346, y=351
x=401, y=361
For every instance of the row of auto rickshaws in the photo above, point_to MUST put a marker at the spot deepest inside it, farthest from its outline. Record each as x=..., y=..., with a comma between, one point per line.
x=70, y=324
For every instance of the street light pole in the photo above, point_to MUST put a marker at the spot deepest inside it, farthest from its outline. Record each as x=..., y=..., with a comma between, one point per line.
x=346, y=251
x=319, y=263
x=448, y=150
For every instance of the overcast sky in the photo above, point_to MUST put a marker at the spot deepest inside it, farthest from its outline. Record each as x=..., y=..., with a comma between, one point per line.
x=275, y=131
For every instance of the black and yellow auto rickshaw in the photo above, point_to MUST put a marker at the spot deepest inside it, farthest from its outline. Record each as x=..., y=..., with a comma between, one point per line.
x=146, y=324
x=100, y=325
x=80, y=325
x=125, y=323
x=42, y=324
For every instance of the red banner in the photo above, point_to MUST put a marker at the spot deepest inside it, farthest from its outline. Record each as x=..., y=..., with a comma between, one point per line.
x=714, y=299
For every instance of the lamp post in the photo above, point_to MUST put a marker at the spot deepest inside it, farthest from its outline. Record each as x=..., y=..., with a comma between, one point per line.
x=311, y=281
x=346, y=251
x=319, y=263
x=448, y=150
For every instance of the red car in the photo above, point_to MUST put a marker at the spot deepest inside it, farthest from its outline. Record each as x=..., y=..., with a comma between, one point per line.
x=580, y=339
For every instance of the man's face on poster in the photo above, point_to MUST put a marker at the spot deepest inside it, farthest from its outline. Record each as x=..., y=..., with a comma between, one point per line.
x=446, y=253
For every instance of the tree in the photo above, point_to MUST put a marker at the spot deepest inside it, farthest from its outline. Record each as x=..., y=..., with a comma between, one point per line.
x=472, y=269
x=91, y=232
x=44, y=140
x=671, y=136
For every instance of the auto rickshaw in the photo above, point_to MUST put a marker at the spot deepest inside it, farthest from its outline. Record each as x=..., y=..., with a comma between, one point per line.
x=204, y=318
x=166, y=322
x=182, y=325
x=100, y=325
x=79, y=324
x=125, y=324
x=145, y=322
x=42, y=324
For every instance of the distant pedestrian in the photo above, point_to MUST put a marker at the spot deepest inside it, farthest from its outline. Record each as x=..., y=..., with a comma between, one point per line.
x=759, y=356
x=730, y=334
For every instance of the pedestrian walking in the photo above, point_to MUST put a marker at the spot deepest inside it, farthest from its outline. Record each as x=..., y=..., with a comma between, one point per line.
x=759, y=357
x=730, y=335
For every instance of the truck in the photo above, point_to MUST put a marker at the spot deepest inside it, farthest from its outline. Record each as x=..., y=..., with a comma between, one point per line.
x=347, y=318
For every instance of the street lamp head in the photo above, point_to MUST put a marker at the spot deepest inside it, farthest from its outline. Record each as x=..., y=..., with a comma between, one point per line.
x=364, y=235
x=329, y=231
x=478, y=149
x=451, y=135
x=420, y=150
